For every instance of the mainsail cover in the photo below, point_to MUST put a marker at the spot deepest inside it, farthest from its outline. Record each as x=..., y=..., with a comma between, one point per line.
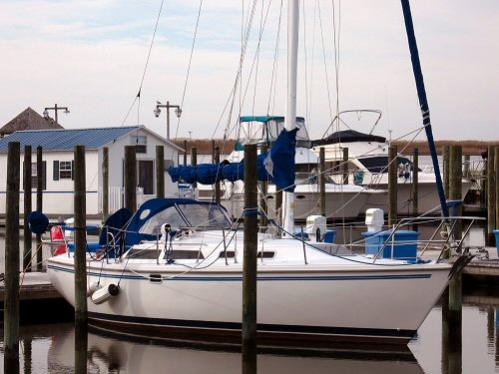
x=277, y=166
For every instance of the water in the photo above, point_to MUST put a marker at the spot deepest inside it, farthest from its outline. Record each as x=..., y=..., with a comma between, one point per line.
x=50, y=349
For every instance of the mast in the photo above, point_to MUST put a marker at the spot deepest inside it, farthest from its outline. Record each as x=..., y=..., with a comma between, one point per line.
x=290, y=118
x=423, y=102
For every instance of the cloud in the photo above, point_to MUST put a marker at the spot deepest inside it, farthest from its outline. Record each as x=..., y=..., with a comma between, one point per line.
x=90, y=55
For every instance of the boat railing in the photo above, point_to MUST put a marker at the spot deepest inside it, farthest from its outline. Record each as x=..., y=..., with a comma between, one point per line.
x=447, y=228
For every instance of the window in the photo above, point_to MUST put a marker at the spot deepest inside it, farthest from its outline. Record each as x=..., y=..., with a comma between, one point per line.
x=183, y=254
x=140, y=142
x=62, y=170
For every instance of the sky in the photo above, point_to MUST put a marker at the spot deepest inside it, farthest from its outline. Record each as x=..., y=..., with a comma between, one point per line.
x=90, y=55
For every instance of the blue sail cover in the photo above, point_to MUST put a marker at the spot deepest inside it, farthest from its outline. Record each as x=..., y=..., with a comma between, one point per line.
x=280, y=168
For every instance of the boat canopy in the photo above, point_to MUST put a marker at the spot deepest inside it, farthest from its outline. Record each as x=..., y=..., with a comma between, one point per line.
x=266, y=129
x=348, y=136
x=277, y=165
x=146, y=223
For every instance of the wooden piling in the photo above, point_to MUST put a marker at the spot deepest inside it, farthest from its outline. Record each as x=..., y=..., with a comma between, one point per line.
x=491, y=188
x=345, y=166
x=185, y=152
x=27, y=208
x=455, y=184
x=263, y=198
x=415, y=192
x=39, y=203
x=392, y=185
x=80, y=215
x=105, y=183
x=466, y=166
x=131, y=178
x=194, y=161
x=496, y=165
x=160, y=171
x=216, y=160
x=446, y=169
x=249, y=317
x=322, y=181
x=11, y=295
x=454, y=341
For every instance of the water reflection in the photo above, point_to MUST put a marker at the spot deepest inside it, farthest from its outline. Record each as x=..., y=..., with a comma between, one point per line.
x=109, y=355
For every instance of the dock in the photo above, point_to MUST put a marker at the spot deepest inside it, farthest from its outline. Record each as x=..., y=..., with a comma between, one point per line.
x=40, y=302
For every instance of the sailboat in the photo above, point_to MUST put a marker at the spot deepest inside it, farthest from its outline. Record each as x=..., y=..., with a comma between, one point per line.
x=175, y=271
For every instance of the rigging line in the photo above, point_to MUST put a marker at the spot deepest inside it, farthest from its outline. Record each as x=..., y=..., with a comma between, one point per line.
x=312, y=68
x=307, y=110
x=336, y=38
x=325, y=62
x=258, y=59
x=275, y=62
x=147, y=59
x=194, y=38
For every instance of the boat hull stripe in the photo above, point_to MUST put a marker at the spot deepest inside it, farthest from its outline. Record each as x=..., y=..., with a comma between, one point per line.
x=265, y=328
x=260, y=277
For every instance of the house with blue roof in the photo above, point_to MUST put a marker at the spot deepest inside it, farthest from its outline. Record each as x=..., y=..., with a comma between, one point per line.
x=58, y=151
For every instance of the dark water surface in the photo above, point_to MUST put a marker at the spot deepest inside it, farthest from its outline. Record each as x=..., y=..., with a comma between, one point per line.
x=50, y=349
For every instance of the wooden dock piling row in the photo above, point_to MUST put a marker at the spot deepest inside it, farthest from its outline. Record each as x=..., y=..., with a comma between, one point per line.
x=249, y=317
x=131, y=178
x=446, y=159
x=322, y=181
x=160, y=171
x=11, y=302
x=80, y=235
x=392, y=185
x=491, y=224
x=39, y=203
x=27, y=208
x=455, y=184
x=105, y=183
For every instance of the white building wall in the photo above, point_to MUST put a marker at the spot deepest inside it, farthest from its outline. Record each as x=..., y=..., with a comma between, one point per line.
x=58, y=197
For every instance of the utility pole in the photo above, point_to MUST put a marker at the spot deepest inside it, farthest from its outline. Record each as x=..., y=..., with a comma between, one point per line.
x=56, y=109
x=167, y=106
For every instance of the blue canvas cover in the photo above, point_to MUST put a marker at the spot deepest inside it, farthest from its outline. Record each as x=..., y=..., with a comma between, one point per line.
x=147, y=210
x=280, y=169
x=114, y=223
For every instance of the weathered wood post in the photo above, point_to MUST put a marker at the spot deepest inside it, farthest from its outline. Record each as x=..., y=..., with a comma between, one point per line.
x=194, y=161
x=27, y=208
x=491, y=215
x=40, y=177
x=496, y=165
x=105, y=183
x=392, y=185
x=263, y=198
x=80, y=215
x=249, y=317
x=185, y=152
x=322, y=181
x=455, y=283
x=11, y=293
x=160, y=171
x=130, y=178
x=216, y=160
x=467, y=166
x=415, y=192
x=345, y=165
x=445, y=162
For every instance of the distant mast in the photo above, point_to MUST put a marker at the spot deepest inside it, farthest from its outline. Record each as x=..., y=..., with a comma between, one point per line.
x=288, y=216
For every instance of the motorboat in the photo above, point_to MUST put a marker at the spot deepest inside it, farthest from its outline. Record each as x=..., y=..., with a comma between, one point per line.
x=367, y=166
x=343, y=201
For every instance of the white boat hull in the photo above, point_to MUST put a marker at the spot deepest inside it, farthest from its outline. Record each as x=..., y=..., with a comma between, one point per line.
x=385, y=304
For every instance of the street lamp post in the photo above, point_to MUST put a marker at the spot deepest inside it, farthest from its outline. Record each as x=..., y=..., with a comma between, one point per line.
x=168, y=106
x=55, y=108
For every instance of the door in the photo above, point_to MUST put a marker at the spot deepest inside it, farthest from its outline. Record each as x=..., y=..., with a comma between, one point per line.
x=146, y=176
